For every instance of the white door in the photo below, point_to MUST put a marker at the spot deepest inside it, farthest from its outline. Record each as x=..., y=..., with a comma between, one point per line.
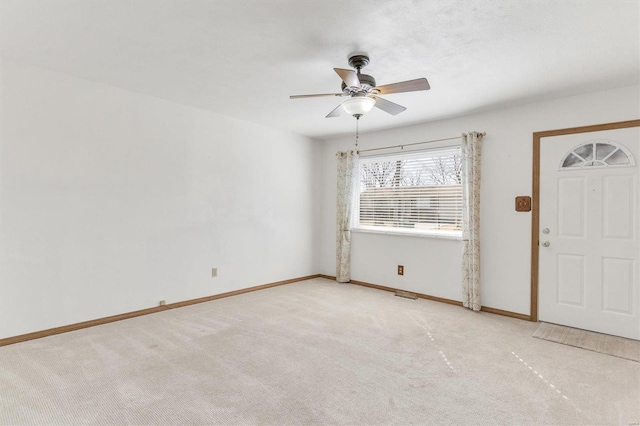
x=589, y=243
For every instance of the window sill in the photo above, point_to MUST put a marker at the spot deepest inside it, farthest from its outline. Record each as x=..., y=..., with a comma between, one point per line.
x=425, y=234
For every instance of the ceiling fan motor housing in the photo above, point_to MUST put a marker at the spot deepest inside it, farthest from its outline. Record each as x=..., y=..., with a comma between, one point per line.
x=367, y=82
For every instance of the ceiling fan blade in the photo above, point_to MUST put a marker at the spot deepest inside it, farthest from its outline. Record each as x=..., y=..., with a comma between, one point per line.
x=336, y=112
x=315, y=95
x=388, y=106
x=349, y=77
x=404, y=86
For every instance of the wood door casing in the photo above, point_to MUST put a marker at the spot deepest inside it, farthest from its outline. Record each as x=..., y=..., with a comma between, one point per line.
x=535, y=196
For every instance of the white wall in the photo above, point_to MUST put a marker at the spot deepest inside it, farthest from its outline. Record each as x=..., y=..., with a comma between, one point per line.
x=432, y=266
x=111, y=201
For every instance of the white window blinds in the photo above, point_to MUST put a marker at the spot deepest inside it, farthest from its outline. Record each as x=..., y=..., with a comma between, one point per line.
x=417, y=192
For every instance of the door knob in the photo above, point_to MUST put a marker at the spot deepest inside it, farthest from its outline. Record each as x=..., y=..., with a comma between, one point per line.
x=546, y=244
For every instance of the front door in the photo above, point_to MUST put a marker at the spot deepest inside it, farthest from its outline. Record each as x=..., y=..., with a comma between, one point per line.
x=589, y=247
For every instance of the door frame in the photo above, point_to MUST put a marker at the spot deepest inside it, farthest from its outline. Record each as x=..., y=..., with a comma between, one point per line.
x=535, y=196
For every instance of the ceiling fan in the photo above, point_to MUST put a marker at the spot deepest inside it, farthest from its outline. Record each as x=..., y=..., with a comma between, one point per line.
x=363, y=93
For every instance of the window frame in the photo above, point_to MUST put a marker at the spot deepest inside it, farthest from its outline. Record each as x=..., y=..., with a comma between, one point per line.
x=410, y=232
x=593, y=162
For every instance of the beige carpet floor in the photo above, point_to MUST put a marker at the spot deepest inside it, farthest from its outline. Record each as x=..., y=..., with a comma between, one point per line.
x=314, y=353
x=603, y=343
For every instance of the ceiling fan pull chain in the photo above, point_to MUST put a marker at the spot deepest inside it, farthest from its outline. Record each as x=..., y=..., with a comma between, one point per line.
x=357, y=130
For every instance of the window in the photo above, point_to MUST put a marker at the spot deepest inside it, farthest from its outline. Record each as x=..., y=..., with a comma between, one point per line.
x=418, y=192
x=596, y=154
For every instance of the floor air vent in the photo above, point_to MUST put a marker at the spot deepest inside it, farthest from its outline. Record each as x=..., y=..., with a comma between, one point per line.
x=405, y=294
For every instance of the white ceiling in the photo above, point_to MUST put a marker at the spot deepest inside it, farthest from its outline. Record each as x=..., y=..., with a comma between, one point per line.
x=243, y=58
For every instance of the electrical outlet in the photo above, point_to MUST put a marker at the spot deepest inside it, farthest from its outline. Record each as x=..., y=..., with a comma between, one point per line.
x=400, y=270
x=162, y=303
x=214, y=272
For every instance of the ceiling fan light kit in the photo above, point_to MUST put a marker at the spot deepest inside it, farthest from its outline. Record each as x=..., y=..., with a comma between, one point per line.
x=363, y=92
x=358, y=105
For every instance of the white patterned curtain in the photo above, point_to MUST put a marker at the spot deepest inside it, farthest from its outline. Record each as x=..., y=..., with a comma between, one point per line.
x=471, y=220
x=347, y=167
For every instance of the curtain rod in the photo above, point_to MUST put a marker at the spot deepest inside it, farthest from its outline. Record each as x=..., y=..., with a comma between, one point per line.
x=416, y=143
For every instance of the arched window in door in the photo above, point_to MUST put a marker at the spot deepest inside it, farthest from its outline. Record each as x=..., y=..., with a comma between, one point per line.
x=597, y=154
